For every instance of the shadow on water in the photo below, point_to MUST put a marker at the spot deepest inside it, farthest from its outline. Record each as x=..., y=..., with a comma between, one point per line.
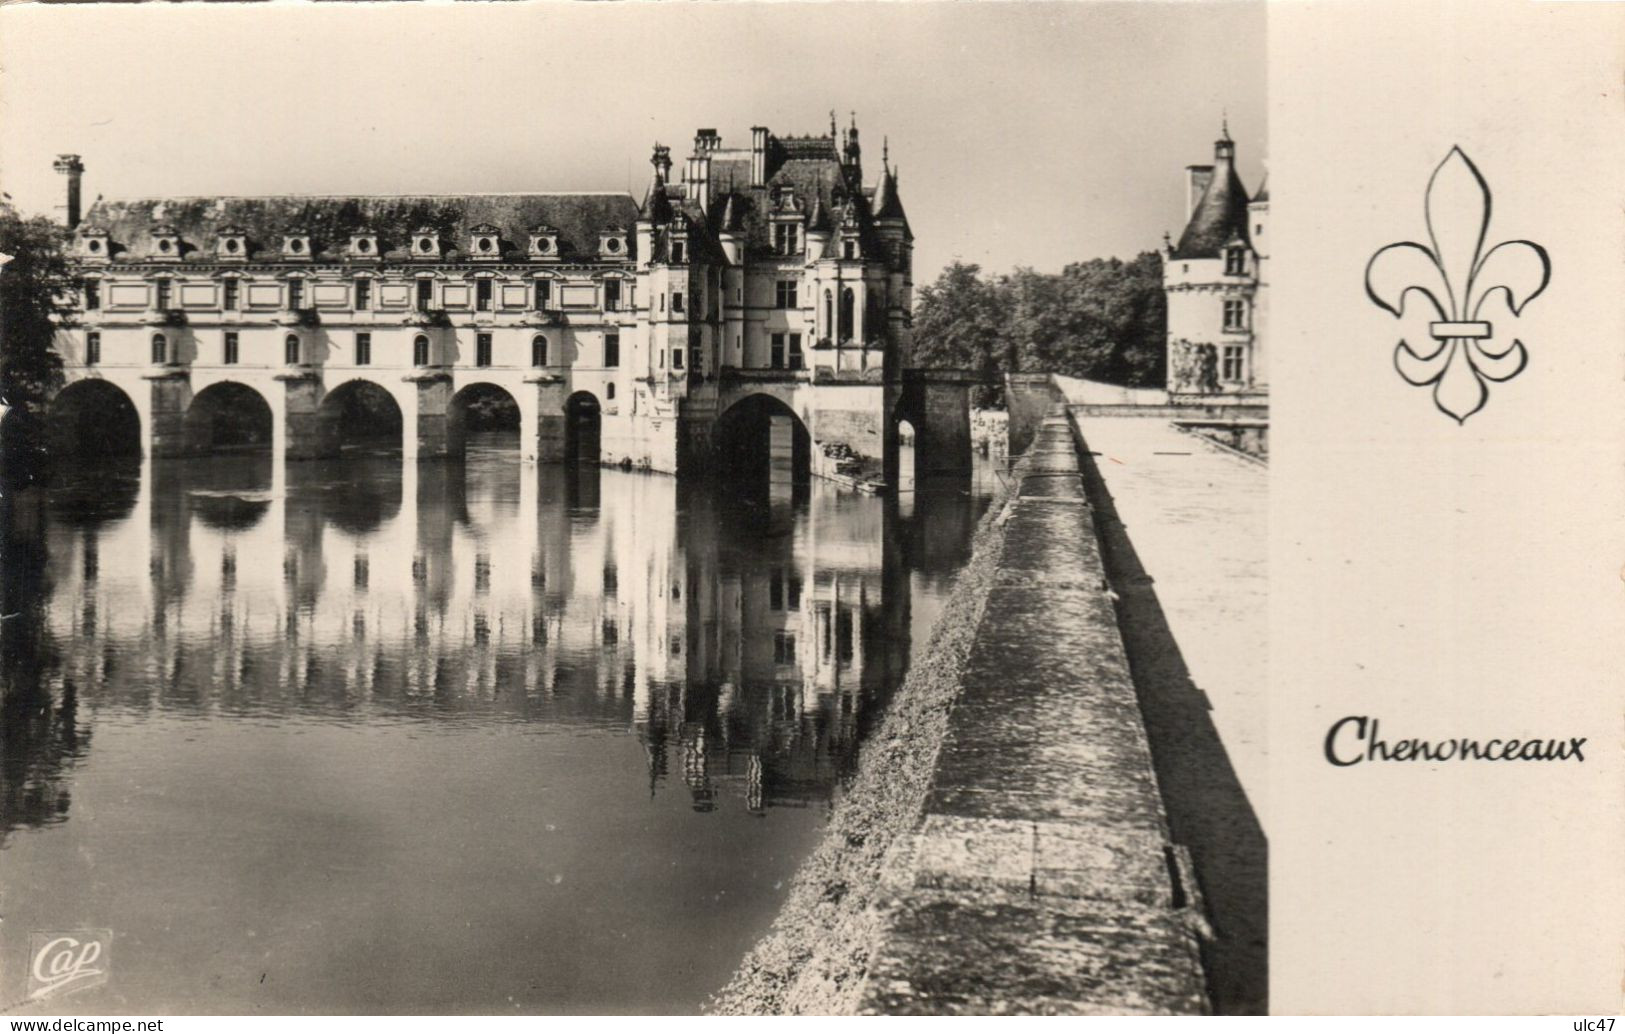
x=1208, y=810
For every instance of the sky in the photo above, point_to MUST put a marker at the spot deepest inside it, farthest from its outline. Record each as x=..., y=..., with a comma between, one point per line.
x=1026, y=134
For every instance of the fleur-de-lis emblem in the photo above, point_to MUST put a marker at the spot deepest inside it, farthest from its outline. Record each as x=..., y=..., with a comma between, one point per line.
x=1458, y=277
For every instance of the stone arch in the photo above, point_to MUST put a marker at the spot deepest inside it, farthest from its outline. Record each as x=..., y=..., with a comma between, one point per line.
x=760, y=441
x=358, y=413
x=94, y=418
x=228, y=416
x=482, y=407
x=583, y=428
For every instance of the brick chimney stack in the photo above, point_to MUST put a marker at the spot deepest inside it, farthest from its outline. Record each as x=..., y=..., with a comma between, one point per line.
x=70, y=166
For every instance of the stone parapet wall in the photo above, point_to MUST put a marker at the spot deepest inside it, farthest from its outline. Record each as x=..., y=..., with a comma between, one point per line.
x=1043, y=877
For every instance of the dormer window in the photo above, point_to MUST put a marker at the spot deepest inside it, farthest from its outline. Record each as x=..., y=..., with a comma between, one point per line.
x=93, y=243
x=612, y=243
x=1235, y=261
x=544, y=242
x=677, y=249
x=166, y=243
x=426, y=243
x=787, y=237
x=485, y=242
x=849, y=248
x=296, y=244
x=231, y=243
x=364, y=244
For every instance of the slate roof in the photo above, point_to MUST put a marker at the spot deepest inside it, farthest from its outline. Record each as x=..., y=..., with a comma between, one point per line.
x=1263, y=191
x=330, y=221
x=1220, y=217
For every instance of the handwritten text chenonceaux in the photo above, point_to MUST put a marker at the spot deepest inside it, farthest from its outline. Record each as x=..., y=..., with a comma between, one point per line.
x=1355, y=739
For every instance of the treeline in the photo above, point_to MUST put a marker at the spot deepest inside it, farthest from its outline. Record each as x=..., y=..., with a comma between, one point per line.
x=1104, y=319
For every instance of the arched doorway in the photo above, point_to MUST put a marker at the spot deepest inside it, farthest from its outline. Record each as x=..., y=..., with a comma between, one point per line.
x=583, y=429
x=228, y=417
x=359, y=415
x=483, y=417
x=761, y=443
x=94, y=420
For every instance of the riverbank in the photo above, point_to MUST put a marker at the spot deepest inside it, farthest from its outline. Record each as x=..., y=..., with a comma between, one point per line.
x=815, y=957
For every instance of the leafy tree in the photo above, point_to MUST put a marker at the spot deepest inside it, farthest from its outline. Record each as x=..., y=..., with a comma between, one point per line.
x=961, y=322
x=1104, y=319
x=38, y=291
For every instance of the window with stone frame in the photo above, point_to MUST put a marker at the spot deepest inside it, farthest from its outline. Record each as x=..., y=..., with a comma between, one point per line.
x=1233, y=368
x=784, y=294
x=93, y=348
x=1235, y=261
x=1235, y=314
x=93, y=295
x=230, y=350
x=544, y=295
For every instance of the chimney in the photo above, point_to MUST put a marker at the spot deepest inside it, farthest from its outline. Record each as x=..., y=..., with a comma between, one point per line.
x=1197, y=177
x=70, y=166
x=758, y=156
x=706, y=141
x=697, y=177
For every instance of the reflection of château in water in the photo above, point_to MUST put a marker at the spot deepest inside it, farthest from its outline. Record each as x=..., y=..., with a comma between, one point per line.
x=743, y=652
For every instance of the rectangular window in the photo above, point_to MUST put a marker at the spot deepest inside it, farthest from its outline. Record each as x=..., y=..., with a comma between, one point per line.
x=538, y=351
x=230, y=357
x=296, y=294
x=228, y=294
x=363, y=349
x=363, y=295
x=612, y=350
x=796, y=362
x=482, y=350
x=849, y=249
x=544, y=294
x=784, y=648
x=160, y=294
x=1234, y=367
x=420, y=351
x=677, y=301
x=93, y=295
x=160, y=349
x=1235, y=314
x=425, y=295
x=777, y=357
x=93, y=349
x=784, y=294
x=291, y=350
x=677, y=251
x=1235, y=262
x=612, y=295
x=482, y=295
x=792, y=594
x=677, y=359
x=785, y=239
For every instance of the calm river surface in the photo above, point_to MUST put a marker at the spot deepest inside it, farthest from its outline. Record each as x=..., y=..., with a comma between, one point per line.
x=480, y=737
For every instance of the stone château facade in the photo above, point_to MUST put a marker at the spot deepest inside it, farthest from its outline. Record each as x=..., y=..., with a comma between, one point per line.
x=768, y=269
x=1216, y=281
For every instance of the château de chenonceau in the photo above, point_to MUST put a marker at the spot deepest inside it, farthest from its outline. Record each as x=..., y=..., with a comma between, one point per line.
x=754, y=309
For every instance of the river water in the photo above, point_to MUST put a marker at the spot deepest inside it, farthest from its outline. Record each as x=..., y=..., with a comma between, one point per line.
x=348, y=736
